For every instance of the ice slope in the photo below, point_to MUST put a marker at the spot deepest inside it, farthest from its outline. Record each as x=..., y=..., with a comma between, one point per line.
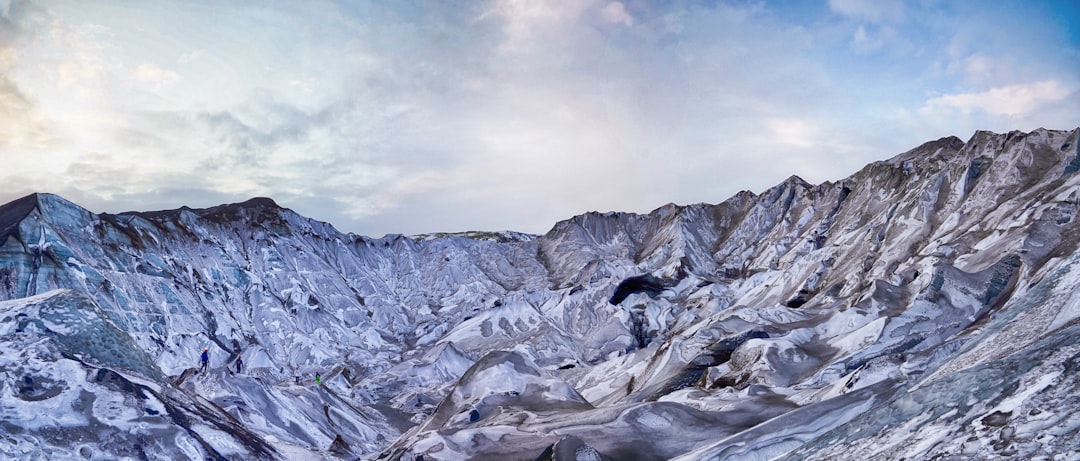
x=817, y=304
x=74, y=387
x=799, y=322
x=289, y=294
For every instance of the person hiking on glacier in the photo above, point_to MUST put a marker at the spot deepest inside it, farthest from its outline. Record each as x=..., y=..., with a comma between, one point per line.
x=239, y=363
x=318, y=378
x=205, y=359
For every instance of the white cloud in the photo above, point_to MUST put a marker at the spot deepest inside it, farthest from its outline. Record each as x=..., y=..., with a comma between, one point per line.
x=876, y=11
x=978, y=67
x=8, y=59
x=157, y=77
x=78, y=55
x=1011, y=100
x=794, y=132
x=615, y=12
x=866, y=41
x=21, y=124
x=535, y=29
x=305, y=84
x=190, y=57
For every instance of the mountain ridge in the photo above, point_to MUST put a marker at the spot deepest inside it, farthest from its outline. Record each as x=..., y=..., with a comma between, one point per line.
x=780, y=303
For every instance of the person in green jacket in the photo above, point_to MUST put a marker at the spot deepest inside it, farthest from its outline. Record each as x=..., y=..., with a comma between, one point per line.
x=318, y=378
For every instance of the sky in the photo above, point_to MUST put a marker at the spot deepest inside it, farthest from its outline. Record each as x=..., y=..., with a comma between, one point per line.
x=433, y=116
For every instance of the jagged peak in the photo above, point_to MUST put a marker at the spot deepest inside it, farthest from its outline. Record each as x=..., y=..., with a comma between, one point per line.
x=45, y=199
x=253, y=204
x=668, y=209
x=792, y=182
x=590, y=220
x=946, y=145
x=28, y=201
x=796, y=180
x=1038, y=133
x=12, y=213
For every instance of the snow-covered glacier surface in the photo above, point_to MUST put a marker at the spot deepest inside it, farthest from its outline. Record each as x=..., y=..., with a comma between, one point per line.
x=925, y=307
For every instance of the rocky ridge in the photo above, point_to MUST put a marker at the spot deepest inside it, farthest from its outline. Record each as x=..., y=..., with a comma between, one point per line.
x=922, y=306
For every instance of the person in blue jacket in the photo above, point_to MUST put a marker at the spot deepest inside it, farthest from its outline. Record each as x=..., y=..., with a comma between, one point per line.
x=205, y=359
x=239, y=363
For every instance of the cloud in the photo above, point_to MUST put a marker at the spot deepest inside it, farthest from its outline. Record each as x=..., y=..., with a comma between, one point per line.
x=1016, y=100
x=84, y=62
x=105, y=174
x=978, y=68
x=875, y=11
x=615, y=12
x=877, y=24
x=190, y=57
x=794, y=132
x=865, y=40
x=21, y=125
x=157, y=77
x=524, y=24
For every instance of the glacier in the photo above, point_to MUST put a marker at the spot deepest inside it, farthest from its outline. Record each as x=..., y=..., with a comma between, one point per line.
x=924, y=307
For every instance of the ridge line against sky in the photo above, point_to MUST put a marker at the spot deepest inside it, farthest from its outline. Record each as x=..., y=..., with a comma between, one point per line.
x=416, y=117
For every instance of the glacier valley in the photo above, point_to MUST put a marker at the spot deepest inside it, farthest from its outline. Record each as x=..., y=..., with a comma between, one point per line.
x=926, y=307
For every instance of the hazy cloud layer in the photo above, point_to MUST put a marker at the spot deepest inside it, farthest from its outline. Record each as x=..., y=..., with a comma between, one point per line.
x=451, y=116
